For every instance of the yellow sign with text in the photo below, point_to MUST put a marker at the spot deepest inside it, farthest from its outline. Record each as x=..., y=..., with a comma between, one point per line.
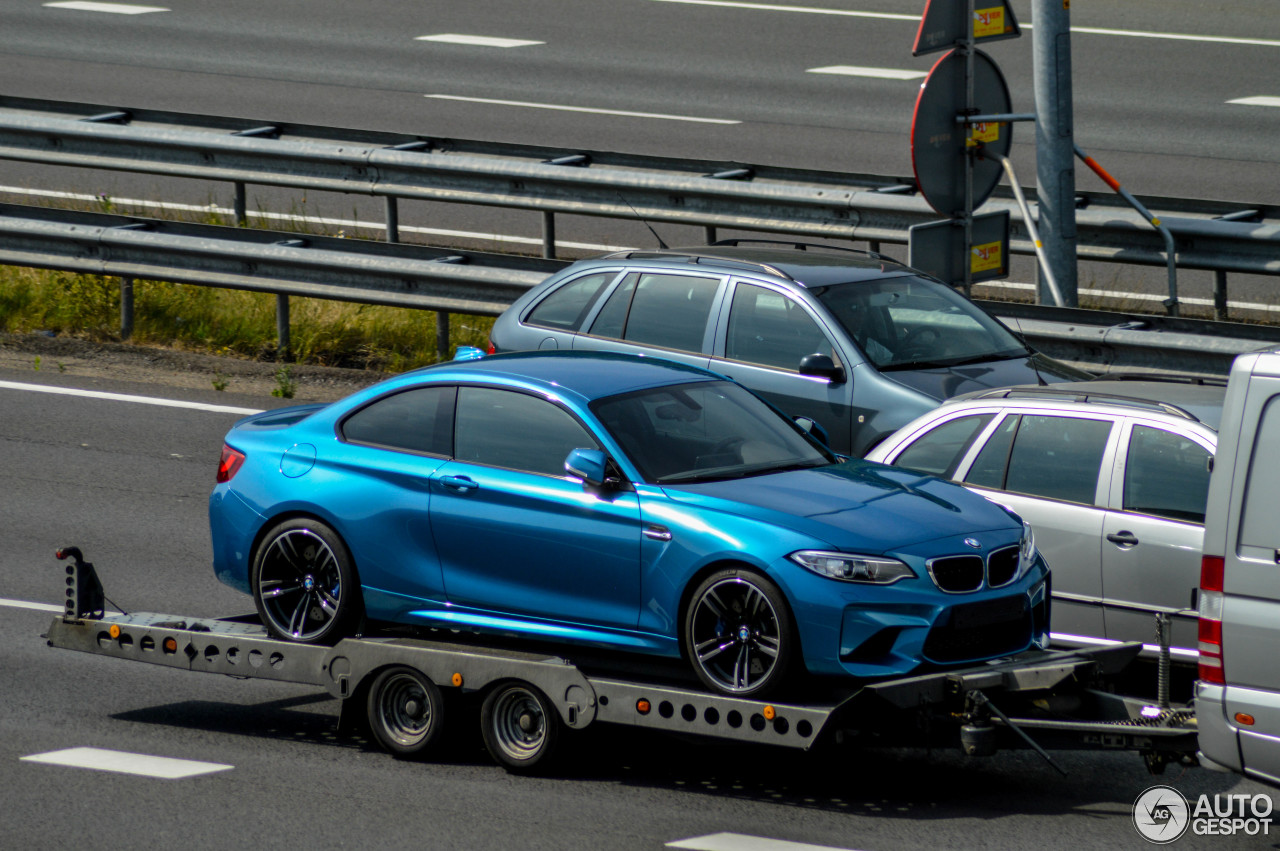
x=986, y=258
x=986, y=133
x=988, y=22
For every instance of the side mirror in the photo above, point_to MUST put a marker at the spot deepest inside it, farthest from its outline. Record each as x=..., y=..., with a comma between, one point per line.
x=814, y=430
x=821, y=366
x=588, y=465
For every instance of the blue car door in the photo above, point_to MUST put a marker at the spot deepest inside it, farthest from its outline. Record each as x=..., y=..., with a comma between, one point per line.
x=515, y=534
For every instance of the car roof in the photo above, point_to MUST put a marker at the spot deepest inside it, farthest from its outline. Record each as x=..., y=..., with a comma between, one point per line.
x=588, y=375
x=1181, y=396
x=804, y=264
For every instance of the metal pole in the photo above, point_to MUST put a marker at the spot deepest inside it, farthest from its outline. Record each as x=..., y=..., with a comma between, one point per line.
x=126, y=308
x=1055, y=154
x=711, y=234
x=282, y=327
x=393, y=219
x=549, y=235
x=442, y=335
x=241, y=205
x=1220, y=295
x=1049, y=280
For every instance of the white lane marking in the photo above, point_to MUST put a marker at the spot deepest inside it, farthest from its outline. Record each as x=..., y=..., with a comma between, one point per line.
x=23, y=604
x=810, y=10
x=121, y=762
x=743, y=842
x=110, y=8
x=877, y=73
x=564, y=108
x=1260, y=100
x=294, y=218
x=477, y=40
x=888, y=16
x=124, y=397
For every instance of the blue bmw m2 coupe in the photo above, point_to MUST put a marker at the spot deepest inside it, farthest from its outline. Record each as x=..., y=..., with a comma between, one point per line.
x=621, y=501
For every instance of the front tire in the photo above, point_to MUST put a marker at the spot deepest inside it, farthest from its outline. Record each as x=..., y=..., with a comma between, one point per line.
x=406, y=712
x=738, y=633
x=304, y=583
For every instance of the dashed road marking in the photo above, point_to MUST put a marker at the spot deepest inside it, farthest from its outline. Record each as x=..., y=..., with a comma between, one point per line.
x=743, y=842
x=23, y=604
x=1259, y=100
x=566, y=108
x=109, y=8
x=122, y=762
x=876, y=73
x=477, y=40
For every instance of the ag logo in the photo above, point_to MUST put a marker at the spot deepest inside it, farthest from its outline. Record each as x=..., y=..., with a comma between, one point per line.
x=1161, y=814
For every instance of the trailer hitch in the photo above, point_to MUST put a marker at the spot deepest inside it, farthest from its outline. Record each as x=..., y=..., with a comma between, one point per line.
x=978, y=736
x=85, y=597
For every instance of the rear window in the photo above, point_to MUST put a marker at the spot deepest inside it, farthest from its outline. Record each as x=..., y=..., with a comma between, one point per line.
x=414, y=420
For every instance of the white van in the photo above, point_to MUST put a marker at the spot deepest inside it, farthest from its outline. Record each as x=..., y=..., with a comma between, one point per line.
x=1238, y=695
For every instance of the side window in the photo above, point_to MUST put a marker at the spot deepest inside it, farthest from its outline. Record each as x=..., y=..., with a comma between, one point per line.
x=1166, y=475
x=770, y=329
x=613, y=316
x=1258, y=526
x=415, y=420
x=1055, y=457
x=565, y=308
x=989, y=467
x=939, y=451
x=517, y=431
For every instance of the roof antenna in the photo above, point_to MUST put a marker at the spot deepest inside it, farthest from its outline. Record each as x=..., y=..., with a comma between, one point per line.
x=661, y=244
x=1031, y=353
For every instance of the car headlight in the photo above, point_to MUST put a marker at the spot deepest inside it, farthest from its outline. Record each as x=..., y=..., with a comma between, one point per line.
x=1026, y=548
x=875, y=570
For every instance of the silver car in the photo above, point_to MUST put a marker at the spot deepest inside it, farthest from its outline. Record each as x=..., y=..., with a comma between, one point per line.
x=1111, y=474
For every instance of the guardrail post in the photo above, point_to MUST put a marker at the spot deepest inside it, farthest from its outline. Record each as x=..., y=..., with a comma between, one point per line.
x=711, y=234
x=241, y=205
x=549, y=235
x=126, y=308
x=393, y=219
x=1220, y=295
x=282, y=327
x=442, y=335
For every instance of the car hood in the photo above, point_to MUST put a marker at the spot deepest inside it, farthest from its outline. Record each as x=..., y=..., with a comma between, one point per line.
x=944, y=382
x=854, y=506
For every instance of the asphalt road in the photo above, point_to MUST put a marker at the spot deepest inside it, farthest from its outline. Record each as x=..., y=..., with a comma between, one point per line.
x=127, y=482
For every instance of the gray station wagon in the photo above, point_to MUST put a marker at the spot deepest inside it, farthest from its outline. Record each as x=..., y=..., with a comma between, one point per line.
x=852, y=340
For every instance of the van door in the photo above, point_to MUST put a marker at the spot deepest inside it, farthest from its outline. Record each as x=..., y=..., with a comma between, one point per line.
x=1251, y=580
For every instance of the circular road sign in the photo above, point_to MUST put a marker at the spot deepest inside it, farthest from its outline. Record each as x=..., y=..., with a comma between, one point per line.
x=938, y=143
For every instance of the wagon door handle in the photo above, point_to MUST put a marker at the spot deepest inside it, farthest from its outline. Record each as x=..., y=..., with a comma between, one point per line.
x=1124, y=539
x=459, y=483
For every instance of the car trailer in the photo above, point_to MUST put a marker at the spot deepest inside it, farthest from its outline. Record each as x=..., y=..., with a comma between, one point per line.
x=397, y=685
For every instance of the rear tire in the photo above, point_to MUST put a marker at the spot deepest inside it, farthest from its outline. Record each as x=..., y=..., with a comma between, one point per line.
x=521, y=728
x=304, y=583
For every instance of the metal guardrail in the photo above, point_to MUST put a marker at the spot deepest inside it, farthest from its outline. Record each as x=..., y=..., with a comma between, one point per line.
x=1220, y=236
x=404, y=275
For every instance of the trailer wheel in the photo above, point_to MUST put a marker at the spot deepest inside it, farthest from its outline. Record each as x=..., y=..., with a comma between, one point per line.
x=738, y=633
x=521, y=728
x=304, y=583
x=406, y=712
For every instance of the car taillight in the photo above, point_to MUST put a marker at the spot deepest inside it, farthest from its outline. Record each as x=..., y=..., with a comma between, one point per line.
x=492, y=350
x=229, y=463
x=1210, y=611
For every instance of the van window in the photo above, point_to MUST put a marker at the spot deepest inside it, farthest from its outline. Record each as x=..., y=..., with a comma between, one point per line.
x=1258, y=526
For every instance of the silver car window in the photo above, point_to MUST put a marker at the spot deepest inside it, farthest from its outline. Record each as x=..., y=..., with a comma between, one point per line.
x=1166, y=474
x=1047, y=456
x=565, y=308
x=940, y=450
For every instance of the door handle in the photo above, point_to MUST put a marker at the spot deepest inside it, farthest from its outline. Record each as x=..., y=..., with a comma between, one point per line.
x=1124, y=539
x=459, y=483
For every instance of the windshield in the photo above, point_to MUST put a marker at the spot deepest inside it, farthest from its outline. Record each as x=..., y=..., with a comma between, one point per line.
x=907, y=321
x=705, y=431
